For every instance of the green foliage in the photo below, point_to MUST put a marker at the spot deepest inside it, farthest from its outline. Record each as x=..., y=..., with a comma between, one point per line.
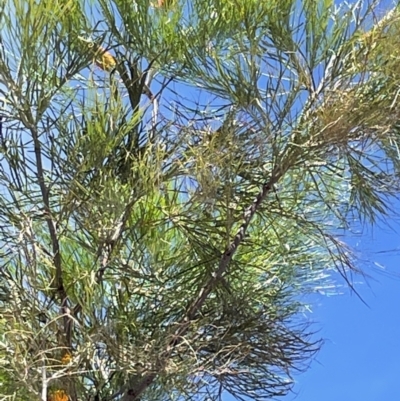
x=157, y=246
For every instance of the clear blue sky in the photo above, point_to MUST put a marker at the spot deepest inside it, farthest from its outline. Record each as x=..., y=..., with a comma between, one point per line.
x=360, y=360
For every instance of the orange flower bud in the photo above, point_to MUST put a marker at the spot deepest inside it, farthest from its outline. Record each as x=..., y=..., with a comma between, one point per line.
x=58, y=395
x=105, y=60
x=66, y=358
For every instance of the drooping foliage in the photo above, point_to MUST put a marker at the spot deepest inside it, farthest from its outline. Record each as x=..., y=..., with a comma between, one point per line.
x=173, y=176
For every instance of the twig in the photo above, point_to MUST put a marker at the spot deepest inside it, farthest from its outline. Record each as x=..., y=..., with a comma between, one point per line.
x=208, y=287
x=44, y=379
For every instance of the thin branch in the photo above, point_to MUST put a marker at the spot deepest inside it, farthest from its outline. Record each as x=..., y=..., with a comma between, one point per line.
x=205, y=291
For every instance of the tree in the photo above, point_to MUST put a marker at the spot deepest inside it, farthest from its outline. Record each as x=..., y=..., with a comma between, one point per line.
x=154, y=246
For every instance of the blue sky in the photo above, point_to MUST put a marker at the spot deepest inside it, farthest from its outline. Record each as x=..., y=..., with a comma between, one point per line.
x=360, y=359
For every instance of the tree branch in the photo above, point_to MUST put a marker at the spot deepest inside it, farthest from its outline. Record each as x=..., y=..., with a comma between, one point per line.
x=205, y=291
